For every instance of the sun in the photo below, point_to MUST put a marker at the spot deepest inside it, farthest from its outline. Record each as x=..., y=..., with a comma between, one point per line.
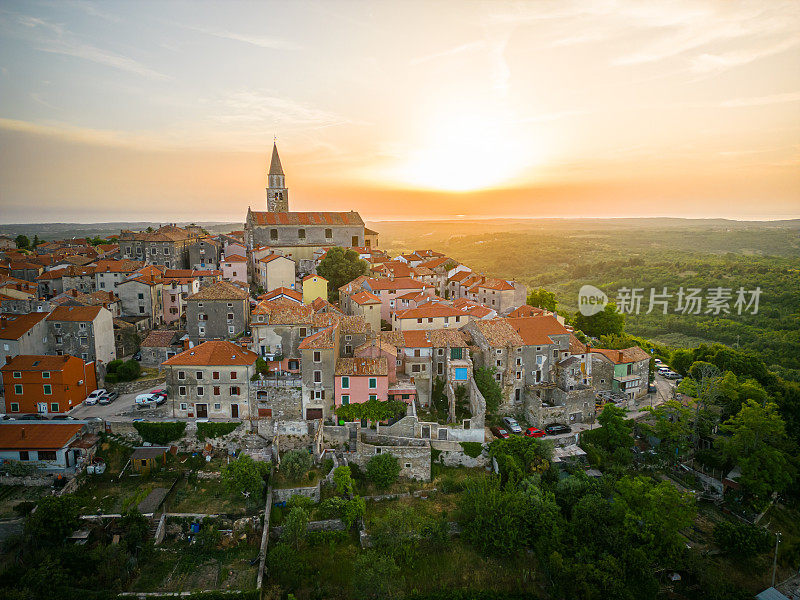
x=462, y=153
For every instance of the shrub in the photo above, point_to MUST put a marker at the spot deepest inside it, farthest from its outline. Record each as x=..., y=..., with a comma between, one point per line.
x=298, y=501
x=296, y=463
x=295, y=527
x=286, y=566
x=343, y=480
x=375, y=576
x=742, y=539
x=114, y=365
x=160, y=433
x=112, y=378
x=472, y=449
x=129, y=370
x=214, y=430
x=383, y=469
x=245, y=475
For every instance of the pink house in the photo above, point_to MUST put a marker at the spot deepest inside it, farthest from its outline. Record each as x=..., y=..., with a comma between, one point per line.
x=357, y=380
x=175, y=290
x=234, y=268
x=389, y=290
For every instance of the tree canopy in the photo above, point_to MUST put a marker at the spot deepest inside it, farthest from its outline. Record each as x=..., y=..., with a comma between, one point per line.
x=607, y=322
x=340, y=266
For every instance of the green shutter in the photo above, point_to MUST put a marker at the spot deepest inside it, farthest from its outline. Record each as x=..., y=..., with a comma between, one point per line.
x=455, y=353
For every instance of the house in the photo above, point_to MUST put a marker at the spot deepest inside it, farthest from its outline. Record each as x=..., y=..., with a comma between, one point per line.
x=107, y=300
x=204, y=253
x=626, y=371
x=282, y=293
x=7, y=243
x=83, y=331
x=160, y=345
x=11, y=287
x=177, y=286
x=212, y=380
x=318, y=357
x=434, y=315
x=275, y=271
x=25, y=269
x=109, y=273
x=46, y=384
x=368, y=306
x=146, y=458
x=168, y=246
x=22, y=334
x=370, y=238
x=357, y=380
x=126, y=336
x=47, y=446
x=78, y=277
x=219, y=311
x=314, y=286
x=234, y=268
x=388, y=290
x=51, y=283
x=141, y=294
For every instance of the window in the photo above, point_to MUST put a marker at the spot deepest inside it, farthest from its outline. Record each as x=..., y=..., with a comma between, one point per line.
x=301, y=234
x=230, y=316
x=141, y=296
x=23, y=455
x=216, y=390
x=233, y=374
x=419, y=320
x=317, y=376
x=200, y=390
x=217, y=406
x=348, y=338
x=415, y=368
x=14, y=407
x=373, y=383
x=317, y=356
x=328, y=233
x=440, y=352
x=231, y=329
x=83, y=325
x=303, y=332
x=499, y=351
x=17, y=374
x=48, y=389
x=273, y=234
x=345, y=400
x=54, y=407
x=373, y=397
x=18, y=389
x=348, y=349
x=234, y=390
x=181, y=375
x=230, y=305
x=345, y=383
x=184, y=406
x=456, y=353
x=45, y=374
x=57, y=325
x=408, y=465
x=198, y=375
x=215, y=375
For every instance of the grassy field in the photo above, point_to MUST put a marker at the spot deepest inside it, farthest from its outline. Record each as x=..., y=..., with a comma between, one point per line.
x=12, y=495
x=209, y=496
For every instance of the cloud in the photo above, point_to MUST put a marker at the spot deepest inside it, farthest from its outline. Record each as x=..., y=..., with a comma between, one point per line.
x=762, y=100
x=254, y=40
x=55, y=38
x=709, y=63
x=448, y=52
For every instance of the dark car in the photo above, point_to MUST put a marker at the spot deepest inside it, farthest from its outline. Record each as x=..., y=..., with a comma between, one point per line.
x=651, y=389
x=160, y=396
x=32, y=417
x=138, y=355
x=108, y=398
x=63, y=418
x=534, y=432
x=499, y=432
x=557, y=429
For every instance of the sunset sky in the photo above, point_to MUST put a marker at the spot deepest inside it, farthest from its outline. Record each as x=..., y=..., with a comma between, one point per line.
x=167, y=111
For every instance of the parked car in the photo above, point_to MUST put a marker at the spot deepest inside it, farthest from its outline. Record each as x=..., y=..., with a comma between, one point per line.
x=138, y=356
x=160, y=396
x=62, y=418
x=108, y=398
x=147, y=399
x=95, y=396
x=671, y=375
x=32, y=417
x=499, y=432
x=512, y=425
x=658, y=361
x=534, y=432
x=557, y=429
x=651, y=389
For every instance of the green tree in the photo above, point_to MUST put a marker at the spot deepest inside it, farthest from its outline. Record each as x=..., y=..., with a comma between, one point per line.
x=22, y=241
x=742, y=540
x=758, y=444
x=541, y=298
x=615, y=430
x=53, y=520
x=383, y=469
x=295, y=527
x=286, y=565
x=375, y=576
x=672, y=425
x=343, y=480
x=245, y=476
x=489, y=388
x=680, y=360
x=606, y=322
x=296, y=463
x=340, y=266
x=36, y=241
x=136, y=531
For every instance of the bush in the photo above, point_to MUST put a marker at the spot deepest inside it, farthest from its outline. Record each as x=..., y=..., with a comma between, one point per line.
x=111, y=378
x=296, y=463
x=375, y=576
x=245, y=475
x=160, y=433
x=214, y=430
x=114, y=365
x=742, y=539
x=286, y=566
x=129, y=370
x=383, y=469
x=472, y=449
x=298, y=501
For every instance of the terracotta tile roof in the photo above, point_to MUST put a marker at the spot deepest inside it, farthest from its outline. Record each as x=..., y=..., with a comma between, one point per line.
x=400, y=283
x=74, y=313
x=53, y=274
x=354, y=324
x=148, y=274
x=282, y=292
x=441, y=338
x=576, y=346
x=161, y=338
x=498, y=333
x=221, y=290
x=23, y=264
x=167, y=233
x=356, y=284
x=213, y=353
x=376, y=343
x=496, y=284
x=270, y=257
x=37, y=436
x=38, y=362
x=288, y=312
x=312, y=276
x=436, y=262
x=526, y=311
x=364, y=297
x=13, y=327
x=627, y=355
x=235, y=258
x=78, y=260
x=320, y=304
x=79, y=271
x=537, y=331
x=322, y=340
x=362, y=367
x=306, y=218
x=459, y=275
x=118, y=266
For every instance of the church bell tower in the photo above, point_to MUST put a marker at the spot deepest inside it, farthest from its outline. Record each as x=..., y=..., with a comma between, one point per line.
x=277, y=194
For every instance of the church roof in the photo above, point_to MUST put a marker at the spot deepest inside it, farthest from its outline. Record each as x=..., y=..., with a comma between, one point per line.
x=275, y=167
x=306, y=218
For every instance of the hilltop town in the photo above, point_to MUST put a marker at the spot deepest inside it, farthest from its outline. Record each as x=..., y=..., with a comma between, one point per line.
x=140, y=370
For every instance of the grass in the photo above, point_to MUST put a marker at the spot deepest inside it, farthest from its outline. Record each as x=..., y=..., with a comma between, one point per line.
x=210, y=496
x=11, y=495
x=281, y=481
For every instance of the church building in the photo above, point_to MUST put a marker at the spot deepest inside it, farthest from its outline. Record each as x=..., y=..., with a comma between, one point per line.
x=298, y=235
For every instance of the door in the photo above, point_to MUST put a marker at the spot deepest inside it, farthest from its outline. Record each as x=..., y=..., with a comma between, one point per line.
x=202, y=411
x=41, y=407
x=313, y=413
x=234, y=411
x=355, y=241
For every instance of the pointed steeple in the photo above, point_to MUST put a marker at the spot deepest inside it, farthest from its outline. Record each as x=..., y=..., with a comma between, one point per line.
x=275, y=167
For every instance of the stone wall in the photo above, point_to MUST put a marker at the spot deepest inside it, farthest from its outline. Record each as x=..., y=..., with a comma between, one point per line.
x=285, y=403
x=413, y=455
x=283, y=495
x=136, y=386
x=452, y=455
x=326, y=525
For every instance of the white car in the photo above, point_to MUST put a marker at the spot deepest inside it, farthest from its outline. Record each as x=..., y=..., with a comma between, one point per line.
x=512, y=425
x=94, y=396
x=145, y=399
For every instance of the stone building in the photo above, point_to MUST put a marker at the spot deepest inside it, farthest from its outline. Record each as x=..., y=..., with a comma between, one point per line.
x=168, y=246
x=212, y=380
x=220, y=311
x=621, y=371
x=161, y=345
x=141, y=294
x=22, y=334
x=204, y=253
x=318, y=358
x=83, y=331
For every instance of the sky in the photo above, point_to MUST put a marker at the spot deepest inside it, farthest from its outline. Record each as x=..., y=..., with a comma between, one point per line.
x=167, y=111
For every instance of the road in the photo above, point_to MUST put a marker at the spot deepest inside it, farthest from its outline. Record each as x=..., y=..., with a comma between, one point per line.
x=122, y=409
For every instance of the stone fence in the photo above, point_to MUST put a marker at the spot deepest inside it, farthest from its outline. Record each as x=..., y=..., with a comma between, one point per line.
x=137, y=385
x=283, y=495
x=326, y=525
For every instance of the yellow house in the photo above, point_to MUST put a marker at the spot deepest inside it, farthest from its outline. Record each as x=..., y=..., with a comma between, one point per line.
x=314, y=286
